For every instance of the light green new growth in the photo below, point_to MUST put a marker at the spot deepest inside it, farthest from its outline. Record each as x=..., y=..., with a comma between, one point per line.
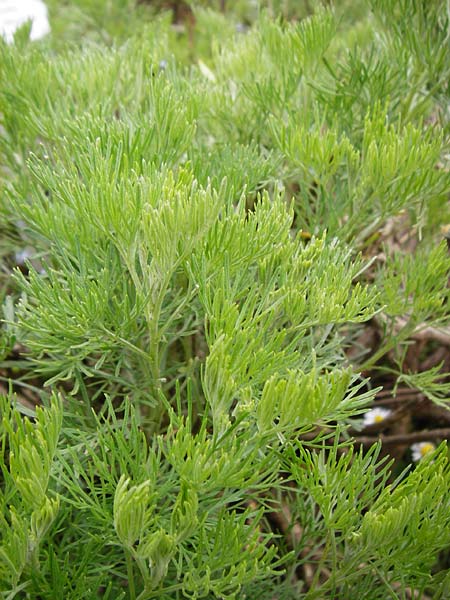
x=31, y=454
x=206, y=220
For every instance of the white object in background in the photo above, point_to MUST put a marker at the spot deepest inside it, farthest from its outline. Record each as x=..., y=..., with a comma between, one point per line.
x=376, y=415
x=421, y=449
x=14, y=13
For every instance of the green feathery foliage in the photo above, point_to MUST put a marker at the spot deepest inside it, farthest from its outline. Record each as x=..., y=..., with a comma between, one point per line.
x=193, y=240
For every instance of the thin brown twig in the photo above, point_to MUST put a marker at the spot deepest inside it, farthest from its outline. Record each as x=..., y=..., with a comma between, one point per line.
x=398, y=392
x=414, y=398
x=404, y=438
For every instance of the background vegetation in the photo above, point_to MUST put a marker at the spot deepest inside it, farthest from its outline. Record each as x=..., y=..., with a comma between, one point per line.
x=224, y=279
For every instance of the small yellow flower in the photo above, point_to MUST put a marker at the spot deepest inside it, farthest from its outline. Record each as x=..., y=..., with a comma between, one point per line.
x=421, y=449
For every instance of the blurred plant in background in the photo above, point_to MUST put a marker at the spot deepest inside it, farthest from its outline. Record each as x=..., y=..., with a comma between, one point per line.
x=224, y=281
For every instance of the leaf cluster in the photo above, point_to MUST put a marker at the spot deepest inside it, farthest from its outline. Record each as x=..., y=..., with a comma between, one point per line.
x=200, y=214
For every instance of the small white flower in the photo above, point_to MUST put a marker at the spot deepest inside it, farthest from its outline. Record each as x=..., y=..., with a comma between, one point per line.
x=376, y=415
x=421, y=449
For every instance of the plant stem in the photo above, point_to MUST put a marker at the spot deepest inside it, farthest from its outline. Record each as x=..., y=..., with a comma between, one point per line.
x=130, y=575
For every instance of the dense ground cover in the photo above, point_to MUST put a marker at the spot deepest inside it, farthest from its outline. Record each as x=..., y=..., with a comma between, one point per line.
x=224, y=279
